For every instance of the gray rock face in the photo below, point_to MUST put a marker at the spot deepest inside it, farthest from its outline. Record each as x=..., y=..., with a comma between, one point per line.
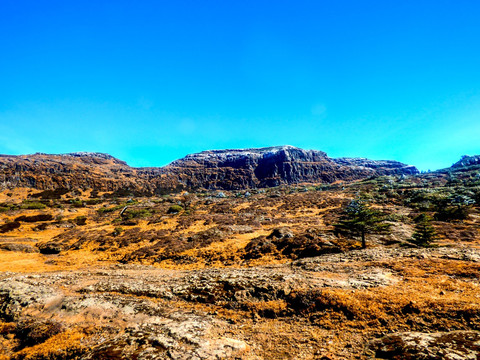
x=273, y=166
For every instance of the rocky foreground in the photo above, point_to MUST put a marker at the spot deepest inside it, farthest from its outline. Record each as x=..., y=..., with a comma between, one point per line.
x=366, y=304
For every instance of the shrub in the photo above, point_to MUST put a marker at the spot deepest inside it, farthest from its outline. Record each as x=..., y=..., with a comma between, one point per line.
x=50, y=194
x=136, y=213
x=117, y=231
x=452, y=213
x=282, y=241
x=424, y=232
x=4, y=207
x=33, y=332
x=77, y=203
x=104, y=210
x=9, y=226
x=174, y=209
x=35, y=218
x=33, y=205
x=93, y=201
x=80, y=220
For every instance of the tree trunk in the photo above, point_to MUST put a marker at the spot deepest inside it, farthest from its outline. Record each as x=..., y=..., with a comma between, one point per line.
x=364, y=244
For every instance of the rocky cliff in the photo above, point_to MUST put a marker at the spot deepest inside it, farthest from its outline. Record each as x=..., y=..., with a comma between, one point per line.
x=273, y=166
x=215, y=169
x=467, y=161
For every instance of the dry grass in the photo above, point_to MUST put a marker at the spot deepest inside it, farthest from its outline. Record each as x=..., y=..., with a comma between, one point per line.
x=67, y=345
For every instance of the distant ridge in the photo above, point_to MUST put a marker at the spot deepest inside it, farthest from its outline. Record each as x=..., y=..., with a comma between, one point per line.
x=467, y=160
x=212, y=169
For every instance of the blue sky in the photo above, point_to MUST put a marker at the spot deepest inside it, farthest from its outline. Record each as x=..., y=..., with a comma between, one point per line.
x=151, y=81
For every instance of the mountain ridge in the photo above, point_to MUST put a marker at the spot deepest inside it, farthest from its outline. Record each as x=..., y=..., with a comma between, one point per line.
x=227, y=169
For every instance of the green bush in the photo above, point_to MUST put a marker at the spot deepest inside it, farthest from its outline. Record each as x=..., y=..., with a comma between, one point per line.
x=136, y=213
x=77, y=203
x=174, y=209
x=7, y=207
x=104, y=210
x=33, y=205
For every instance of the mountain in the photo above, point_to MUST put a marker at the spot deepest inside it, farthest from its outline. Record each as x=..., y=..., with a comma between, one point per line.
x=214, y=169
x=273, y=166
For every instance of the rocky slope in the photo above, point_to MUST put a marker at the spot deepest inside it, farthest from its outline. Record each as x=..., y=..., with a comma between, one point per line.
x=217, y=169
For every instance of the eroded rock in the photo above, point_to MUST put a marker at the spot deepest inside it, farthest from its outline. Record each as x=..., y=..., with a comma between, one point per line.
x=454, y=345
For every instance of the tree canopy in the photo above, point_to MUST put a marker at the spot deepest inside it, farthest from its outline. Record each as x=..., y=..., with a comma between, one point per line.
x=424, y=232
x=360, y=219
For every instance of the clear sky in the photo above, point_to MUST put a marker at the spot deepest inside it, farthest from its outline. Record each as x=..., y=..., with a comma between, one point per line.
x=151, y=81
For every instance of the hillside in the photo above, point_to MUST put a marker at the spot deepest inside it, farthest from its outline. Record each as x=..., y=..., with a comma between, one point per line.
x=219, y=169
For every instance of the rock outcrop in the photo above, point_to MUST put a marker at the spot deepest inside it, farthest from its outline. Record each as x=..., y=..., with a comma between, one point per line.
x=429, y=346
x=273, y=166
x=467, y=161
x=216, y=169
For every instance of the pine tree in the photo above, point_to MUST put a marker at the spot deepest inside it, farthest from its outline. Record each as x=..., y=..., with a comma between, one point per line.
x=359, y=219
x=424, y=232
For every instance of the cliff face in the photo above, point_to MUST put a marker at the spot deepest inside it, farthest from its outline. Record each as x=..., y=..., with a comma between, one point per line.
x=216, y=169
x=233, y=169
